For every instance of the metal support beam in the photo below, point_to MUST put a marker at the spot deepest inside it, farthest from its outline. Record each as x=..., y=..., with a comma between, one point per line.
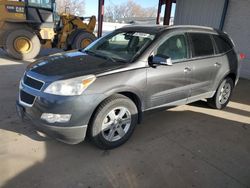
x=159, y=12
x=223, y=16
x=100, y=17
x=167, y=13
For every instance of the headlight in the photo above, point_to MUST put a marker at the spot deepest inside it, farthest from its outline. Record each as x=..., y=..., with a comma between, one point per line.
x=70, y=87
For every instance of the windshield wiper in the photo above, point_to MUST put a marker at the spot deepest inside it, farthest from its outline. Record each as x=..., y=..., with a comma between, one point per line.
x=100, y=55
x=92, y=52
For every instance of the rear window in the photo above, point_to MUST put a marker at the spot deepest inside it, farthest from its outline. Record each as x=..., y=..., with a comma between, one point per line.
x=223, y=44
x=202, y=44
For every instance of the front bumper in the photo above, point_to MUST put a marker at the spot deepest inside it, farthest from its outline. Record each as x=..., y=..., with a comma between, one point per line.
x=32, y=103
x=69, y=135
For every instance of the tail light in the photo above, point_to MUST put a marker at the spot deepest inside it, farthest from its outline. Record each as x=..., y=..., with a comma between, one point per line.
x=242, y=56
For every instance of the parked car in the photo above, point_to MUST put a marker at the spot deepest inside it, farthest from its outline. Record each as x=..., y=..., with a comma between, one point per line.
x=103, y=90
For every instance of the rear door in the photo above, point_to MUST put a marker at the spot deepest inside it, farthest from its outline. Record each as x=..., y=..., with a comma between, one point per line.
x=225, y=54
x=169, y=84
x=203, y=63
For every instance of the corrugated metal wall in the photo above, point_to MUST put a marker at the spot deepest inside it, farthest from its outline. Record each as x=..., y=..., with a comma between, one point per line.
x=237, y=25
x=199, y=12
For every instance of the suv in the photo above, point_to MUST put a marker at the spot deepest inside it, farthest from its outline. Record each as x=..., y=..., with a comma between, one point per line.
x=103, y=90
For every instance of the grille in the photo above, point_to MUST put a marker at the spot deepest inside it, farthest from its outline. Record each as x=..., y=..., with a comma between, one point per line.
x=26, y=98
x=33, y=83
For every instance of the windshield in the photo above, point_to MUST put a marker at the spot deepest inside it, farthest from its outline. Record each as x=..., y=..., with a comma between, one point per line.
x=122, y=46
x=40, y=3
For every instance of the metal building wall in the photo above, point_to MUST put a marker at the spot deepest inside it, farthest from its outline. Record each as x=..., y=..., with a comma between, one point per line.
x=199, y=12
x=237, y=25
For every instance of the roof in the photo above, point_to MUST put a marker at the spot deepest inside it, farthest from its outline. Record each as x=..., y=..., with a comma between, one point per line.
x=160, y=28
x=144, y=28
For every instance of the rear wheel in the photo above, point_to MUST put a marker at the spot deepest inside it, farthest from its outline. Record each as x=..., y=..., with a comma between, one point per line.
x=222, y=95
x=22, y=44
x=113, y=122
x=82, y=40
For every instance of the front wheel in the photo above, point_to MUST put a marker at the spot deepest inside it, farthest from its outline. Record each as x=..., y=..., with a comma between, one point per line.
x=222, y=95
x=113, y=122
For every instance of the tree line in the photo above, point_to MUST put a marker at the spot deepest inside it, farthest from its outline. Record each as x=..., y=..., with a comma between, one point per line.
x=113, y=12
x=117, y=12
x=75, y=7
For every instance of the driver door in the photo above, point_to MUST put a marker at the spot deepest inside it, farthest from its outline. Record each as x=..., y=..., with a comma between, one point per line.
x=169, y=85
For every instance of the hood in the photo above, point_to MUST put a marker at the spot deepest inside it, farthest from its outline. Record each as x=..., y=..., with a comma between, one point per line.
x=72, y=64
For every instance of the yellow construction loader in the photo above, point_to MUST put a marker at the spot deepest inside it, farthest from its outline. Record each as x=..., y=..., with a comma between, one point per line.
x=28, y=25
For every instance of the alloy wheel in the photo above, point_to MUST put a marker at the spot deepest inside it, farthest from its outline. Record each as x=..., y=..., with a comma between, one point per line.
x=225, y=93
x=116, y=124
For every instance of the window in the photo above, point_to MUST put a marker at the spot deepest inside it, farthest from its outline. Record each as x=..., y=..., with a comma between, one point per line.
x=119, y=41
x=202, y=44
x=41, y=3
x=123, y=45
x=223, y=44
x=175, y=47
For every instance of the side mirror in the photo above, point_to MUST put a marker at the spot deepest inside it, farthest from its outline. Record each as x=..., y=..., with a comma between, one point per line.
x=158, y=60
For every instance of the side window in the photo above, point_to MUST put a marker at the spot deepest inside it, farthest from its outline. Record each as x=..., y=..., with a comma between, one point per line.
x=202, y=44
x=222, y=44
x=174, y=47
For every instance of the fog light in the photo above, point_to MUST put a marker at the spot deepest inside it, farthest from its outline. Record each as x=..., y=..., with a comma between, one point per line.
x=53, y=118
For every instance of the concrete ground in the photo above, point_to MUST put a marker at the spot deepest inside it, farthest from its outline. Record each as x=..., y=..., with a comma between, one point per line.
x=186, y=146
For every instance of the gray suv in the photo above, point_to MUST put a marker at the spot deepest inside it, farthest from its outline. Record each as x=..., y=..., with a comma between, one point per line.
x=102, y=91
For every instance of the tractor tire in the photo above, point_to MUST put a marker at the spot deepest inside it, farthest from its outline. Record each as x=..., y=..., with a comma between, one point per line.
x=82, y=40
x=22, y=44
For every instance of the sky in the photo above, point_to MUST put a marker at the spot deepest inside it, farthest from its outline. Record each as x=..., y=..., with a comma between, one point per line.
x=91, y=6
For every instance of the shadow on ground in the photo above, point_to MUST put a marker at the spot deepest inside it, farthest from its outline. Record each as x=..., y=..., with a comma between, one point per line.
x=195, y=150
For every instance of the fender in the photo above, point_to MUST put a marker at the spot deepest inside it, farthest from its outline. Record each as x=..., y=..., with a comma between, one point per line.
x=128, y=89
x=216, y=85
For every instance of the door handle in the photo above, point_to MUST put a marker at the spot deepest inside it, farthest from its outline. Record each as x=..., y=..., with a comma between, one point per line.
x=217, y=64
x=187, y=69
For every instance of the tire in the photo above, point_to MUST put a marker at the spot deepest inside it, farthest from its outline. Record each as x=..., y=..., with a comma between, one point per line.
x=222, y=95
x=105, y=130
x=80, y=38
x=11, y=44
